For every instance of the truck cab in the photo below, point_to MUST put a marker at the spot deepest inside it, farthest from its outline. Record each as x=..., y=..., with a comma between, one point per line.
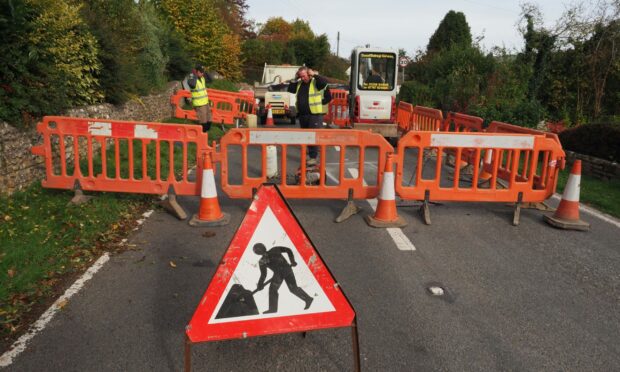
x=272, y=92
x=372, y=90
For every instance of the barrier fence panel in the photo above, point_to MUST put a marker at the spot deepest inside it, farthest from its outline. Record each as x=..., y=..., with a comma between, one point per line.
x=460, y=123
x=403, y=116
x=338, y=112
x=529, y=163
x=425, y=119
x=225, y=106
x=540, y=177
x=120, y=156
x=348, y=160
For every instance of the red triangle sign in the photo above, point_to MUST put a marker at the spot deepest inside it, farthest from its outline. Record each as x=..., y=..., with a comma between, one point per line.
x=271, y=280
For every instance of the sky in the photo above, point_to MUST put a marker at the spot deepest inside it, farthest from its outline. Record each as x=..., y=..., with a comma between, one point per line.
x=403, y=24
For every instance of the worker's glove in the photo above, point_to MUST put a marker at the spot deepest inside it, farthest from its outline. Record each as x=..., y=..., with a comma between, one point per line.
x=293, y=264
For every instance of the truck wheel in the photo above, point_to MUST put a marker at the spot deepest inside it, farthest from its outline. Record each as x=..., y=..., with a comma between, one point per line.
x=263, y=119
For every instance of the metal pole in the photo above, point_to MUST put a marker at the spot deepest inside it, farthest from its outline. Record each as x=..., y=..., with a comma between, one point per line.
x=188, y=354
x=356, y=347
x=337, y=46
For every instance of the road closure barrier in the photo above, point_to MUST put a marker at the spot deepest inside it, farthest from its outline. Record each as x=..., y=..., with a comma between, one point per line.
x=120, y=156
x=226, y=106
x=355, y=162
x=528, y=164
x=403, y=116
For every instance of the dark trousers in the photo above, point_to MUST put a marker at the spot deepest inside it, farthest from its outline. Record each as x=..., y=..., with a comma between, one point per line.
x=311, y=121
x=291, y=283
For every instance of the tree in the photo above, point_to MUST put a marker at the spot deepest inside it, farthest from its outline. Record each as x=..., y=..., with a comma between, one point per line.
x=276, y=29
x=211, y=42
x=233, y=13
x=49, y=59
x=453, y=30
x=300, y=29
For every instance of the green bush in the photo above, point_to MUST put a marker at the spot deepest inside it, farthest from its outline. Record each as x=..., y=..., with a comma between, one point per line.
x=598, y=140
x=416, y=94
x=130, y=49
x=49, y=60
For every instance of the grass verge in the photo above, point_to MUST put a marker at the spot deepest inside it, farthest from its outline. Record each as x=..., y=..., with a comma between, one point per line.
x=44, y=240
x=602, y=195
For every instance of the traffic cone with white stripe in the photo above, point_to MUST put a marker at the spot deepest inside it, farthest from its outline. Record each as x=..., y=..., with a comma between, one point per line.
x=386, y=214
x=269, y=122
x=209, y=213
x=567, y=215
x=488, y=159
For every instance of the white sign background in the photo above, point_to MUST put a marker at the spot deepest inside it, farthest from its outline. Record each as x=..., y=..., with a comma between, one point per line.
x=271, y=233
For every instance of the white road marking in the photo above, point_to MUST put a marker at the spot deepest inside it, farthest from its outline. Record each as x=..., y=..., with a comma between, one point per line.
x=400, y=239
x=594, y=212
x=20, y=345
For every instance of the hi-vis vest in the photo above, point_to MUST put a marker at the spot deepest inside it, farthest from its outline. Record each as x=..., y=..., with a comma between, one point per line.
x=315, y=98
x=199, y=93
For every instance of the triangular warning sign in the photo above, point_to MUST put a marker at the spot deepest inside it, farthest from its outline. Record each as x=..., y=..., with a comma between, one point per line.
x=271, y=280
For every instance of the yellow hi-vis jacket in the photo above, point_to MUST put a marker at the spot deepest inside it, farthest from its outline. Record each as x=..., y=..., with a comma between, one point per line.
x=315, y=98
x=199, y=93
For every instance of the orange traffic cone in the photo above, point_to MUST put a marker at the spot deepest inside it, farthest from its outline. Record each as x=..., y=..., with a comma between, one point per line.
x=386, y=214
x=488, y=159
x=209, y=213
x=269, y=122
x=567, y=215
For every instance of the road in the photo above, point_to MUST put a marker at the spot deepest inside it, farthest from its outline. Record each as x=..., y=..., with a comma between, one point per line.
x=529, y=297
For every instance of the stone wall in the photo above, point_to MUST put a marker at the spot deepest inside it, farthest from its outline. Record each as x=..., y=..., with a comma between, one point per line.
x=595, y=167
x=19, y=168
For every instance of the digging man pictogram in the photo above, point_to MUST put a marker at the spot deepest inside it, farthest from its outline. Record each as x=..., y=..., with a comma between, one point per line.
x=274, y=260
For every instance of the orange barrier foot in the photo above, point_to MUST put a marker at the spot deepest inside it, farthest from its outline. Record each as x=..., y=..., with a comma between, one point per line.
x=209, y=213
x=171, y=205
x=567, y=215
x=386, y=214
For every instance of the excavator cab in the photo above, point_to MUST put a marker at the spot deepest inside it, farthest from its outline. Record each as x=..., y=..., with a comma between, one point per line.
x=372, y=90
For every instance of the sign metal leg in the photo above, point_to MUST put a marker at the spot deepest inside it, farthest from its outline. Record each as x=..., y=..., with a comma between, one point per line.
x=356, y=347
x=188, y=354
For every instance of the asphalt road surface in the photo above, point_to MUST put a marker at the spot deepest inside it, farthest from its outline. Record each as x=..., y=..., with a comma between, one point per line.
x=525, y=298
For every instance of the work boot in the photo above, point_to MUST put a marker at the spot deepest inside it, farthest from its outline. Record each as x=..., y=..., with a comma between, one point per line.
x=271, y=311
x=308, y=302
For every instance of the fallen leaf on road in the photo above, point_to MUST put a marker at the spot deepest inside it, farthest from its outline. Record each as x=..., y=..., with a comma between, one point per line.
x=209, y=234
x=62, y=304
x=172, y=264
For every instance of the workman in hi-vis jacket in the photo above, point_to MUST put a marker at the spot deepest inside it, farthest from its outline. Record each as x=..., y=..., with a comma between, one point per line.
x=309, y=90
x=197, y=82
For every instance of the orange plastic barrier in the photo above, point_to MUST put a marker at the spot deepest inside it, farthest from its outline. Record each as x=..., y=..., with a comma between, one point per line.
x=529, y=163
x=338, y=112
x=116, y=156
x=335, y=177
x=225, y=106
x=459, y=123
x=425, y=119
x=506, y=159
x=499, y=127
x=403, y=116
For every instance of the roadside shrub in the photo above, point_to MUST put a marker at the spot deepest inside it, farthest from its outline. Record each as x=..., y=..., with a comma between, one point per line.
x=416, y=94
x=598, y=140
x=49, y=60
x=133, y=63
